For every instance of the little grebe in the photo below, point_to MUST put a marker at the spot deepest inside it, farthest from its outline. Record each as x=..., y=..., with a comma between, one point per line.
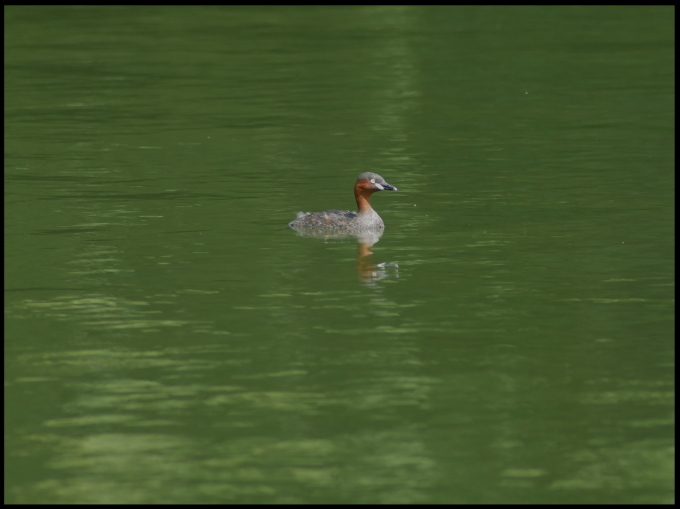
x=365, y=220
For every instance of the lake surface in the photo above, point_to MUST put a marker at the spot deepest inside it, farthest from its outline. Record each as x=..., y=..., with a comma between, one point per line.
x=509, y=339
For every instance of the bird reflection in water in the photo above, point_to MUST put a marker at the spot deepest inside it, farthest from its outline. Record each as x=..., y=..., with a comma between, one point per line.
x=367, y=270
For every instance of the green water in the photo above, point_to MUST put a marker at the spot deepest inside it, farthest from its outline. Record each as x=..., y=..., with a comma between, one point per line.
x=509, y=339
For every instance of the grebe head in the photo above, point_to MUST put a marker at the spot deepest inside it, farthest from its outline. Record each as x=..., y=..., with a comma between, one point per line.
x=371, y=182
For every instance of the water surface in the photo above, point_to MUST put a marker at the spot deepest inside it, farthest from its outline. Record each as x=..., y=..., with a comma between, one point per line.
x=507, y=340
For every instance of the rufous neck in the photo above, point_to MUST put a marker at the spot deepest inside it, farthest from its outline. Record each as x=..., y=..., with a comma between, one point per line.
x=363, y=197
